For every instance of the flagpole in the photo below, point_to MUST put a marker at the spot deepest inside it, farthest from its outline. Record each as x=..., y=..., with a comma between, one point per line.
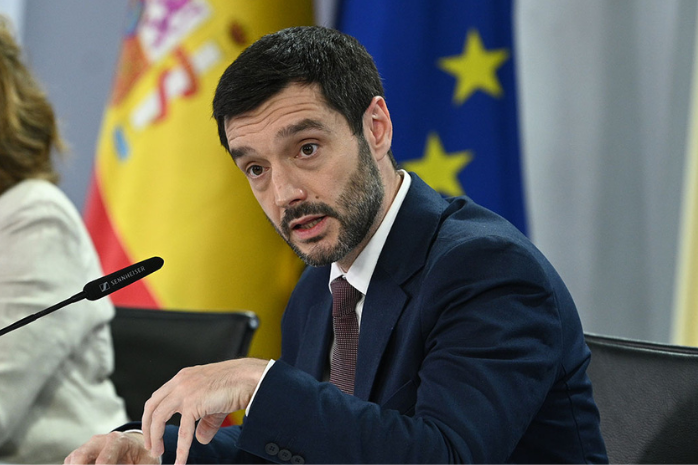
x=685, y=328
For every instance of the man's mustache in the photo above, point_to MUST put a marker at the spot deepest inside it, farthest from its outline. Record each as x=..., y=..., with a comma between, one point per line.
x=293, y=213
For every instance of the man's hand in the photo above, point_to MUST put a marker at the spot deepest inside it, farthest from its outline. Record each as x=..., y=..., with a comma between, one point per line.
x=114, y=447
x=207, y=393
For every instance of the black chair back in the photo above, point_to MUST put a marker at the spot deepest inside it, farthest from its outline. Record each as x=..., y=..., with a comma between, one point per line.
x=647, y=394
x=151, y=346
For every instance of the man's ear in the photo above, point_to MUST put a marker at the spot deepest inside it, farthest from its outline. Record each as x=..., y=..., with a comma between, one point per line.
x=378, y=127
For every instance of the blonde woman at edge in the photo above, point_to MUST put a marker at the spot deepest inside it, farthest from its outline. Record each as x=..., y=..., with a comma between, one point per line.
x=55, y=390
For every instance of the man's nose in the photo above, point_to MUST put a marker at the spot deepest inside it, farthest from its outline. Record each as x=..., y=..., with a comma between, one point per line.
x=287, y=189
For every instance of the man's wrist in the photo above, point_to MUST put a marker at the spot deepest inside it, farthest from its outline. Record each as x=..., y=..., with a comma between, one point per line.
x=139, y=433
x=264, y=373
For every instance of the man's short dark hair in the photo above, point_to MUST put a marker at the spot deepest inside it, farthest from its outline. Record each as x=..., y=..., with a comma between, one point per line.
x=338, y=63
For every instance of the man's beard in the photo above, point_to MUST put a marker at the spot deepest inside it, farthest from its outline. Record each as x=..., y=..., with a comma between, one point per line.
x=360, y=203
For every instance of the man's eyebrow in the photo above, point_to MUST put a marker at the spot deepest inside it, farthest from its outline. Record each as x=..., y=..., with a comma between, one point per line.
x=300, y=127
x=240, y=152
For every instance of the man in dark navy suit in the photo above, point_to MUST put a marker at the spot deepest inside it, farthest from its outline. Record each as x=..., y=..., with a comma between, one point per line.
x=470, y=348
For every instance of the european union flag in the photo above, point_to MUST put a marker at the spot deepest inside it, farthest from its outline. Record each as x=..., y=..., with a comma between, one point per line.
x=448, y=72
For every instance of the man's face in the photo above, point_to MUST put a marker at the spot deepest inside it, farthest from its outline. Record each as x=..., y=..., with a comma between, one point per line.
x=317, y=183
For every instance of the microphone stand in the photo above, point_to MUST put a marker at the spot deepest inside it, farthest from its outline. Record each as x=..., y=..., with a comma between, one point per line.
x=97, y=289
x=28, y=319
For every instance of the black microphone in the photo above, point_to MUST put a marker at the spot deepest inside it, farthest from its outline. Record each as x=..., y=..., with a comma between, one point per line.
x=97, y=289
x=113, y=282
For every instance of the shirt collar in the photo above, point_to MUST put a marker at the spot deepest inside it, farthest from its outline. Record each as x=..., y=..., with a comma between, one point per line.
x=360, y=272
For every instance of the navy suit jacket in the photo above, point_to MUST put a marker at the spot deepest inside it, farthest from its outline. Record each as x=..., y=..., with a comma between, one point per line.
x=470, y=350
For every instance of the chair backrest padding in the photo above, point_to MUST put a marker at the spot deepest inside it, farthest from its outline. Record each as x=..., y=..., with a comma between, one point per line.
x=151, y=346
x=647, y=395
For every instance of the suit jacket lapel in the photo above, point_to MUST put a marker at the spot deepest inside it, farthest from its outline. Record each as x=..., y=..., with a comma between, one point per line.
x=384, y=304
x=402, y=256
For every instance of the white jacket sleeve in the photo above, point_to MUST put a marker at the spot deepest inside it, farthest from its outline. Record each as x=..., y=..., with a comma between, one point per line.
x=42, y=261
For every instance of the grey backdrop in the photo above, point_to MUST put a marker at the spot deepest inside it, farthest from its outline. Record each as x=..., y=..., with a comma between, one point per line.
x=73, y=46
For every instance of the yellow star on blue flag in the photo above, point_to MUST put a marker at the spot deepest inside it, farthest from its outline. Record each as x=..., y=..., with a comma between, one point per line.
x=440, y=169
x=475, y=69
x=448, y=71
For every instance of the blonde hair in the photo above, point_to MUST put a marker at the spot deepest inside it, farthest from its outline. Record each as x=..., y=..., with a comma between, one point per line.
x=28, y=128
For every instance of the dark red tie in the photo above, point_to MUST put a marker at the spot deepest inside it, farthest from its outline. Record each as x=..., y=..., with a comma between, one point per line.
x=346, y=334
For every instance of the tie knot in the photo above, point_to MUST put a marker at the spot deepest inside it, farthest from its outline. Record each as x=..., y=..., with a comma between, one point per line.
x=344, y=296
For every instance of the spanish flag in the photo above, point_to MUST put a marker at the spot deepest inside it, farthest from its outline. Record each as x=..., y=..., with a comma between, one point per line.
x=162, y=183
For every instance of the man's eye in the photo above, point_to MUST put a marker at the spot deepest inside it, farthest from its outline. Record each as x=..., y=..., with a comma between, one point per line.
x=308, y=149
x=255, y=171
